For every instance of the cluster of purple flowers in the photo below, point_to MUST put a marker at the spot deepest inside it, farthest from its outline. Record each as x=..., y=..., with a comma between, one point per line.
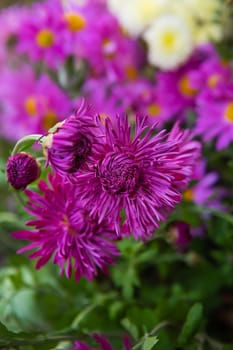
x=107, y=182
x=116, y=62
x=125, y=181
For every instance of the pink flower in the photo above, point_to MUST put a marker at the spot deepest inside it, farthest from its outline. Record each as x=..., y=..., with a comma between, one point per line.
x=204, y=191
x=103, y=342
x=142, y=176
x=70, y=145
x=65, y=229
x=29, y=104
x=215, y=115
x=41, y=35
x=177, y=89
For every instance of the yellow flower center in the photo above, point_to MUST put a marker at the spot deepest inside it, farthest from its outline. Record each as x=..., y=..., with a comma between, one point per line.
x=103, y=116
x=131, y=72
x=188, y=194
x=49, y=119
x=213, y=80
x=75, y=21
x=154, y=109
x=66, y=222
x=30, y=106
x=185, y=87
x=45, y=38
x=169, y=40
x=228, y=114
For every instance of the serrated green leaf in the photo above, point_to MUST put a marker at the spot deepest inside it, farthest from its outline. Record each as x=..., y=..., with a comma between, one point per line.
x=150, y=342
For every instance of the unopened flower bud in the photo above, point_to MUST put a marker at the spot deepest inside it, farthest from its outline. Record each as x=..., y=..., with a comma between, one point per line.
x=21, y=169
x=180, y=235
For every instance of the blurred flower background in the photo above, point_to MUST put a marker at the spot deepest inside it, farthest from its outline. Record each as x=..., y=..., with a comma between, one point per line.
x=116, y=146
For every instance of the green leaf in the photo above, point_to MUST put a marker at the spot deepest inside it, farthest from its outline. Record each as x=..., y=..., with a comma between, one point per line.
x=191, y=324
x=150, y=342
x=5, y=333
x=26, y=310
x=130, y=327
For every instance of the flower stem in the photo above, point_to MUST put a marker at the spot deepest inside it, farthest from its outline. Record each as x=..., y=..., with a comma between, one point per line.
x=25, y=142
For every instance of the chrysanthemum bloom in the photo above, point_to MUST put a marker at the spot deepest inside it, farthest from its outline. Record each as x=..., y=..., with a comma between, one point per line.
x=69, y=144
x=215, y=115
x=142, y=177
x=30, y=105
x=103, y=342
x=21, y=170
x=65, y=229
x=170, y=42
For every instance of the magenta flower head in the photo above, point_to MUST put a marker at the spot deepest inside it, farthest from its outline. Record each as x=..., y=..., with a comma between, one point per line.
x=64, y=229
x=103, y=342
x=22, y=169
x=69, y=145
x=138, y=181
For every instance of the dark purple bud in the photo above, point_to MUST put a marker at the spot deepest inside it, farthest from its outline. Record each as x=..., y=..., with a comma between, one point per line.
x=21, y=169
x=180, y=235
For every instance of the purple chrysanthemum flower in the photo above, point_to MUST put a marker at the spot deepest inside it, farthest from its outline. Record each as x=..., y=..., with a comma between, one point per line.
x=65, y=229
x=21, y=169
x=103, y=342
x=70, y=143
x=142, y=177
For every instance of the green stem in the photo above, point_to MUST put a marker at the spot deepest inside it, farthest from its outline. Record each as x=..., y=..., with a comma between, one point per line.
x=14, y=343
x=227, y=217
x=25, y=142
x=154, y=331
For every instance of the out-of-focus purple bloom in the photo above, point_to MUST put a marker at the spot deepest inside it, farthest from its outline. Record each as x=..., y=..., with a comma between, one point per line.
x=106, y=48
x=103, y=342
x=65, y=229
x=177, y=89
x=212, y=74
x=215, y=115
x=180, y=234
x=41, y=35
x=70, y=144
x=21, y=169
x=30, y=105
x=11, y=19
x=142, y=176
x=204, y=191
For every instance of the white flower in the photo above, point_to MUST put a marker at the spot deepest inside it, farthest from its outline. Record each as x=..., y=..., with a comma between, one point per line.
x=136, y=15
x=204, y=16
x=169, y=41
